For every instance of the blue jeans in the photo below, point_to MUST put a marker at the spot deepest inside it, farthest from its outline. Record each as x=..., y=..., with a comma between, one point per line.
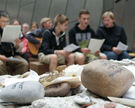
x=115, y=56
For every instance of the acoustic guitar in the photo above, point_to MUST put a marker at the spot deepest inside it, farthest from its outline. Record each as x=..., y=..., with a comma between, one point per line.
x=33, y=48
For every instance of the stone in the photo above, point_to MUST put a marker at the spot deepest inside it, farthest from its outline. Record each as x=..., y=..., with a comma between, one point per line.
x=106, y=78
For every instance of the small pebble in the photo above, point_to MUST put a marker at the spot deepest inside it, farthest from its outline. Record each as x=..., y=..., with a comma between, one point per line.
x=109, y=105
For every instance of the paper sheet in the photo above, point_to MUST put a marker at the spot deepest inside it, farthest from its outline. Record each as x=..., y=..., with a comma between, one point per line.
x=11, y=33
x=95, y=44
x=122, y=46
x=71, y=48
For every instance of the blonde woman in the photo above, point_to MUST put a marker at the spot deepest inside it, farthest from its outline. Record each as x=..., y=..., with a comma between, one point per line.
x=113, y=34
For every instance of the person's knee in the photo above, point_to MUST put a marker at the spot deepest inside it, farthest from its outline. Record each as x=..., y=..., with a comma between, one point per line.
x=80, y=59
x=71, y=56
x=70, y=59
x=102, y=56
x=25, y=64
x=112, y=55
x=53, y=58
x=124, y=55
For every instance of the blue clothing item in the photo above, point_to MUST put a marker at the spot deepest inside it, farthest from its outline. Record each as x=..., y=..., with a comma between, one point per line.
x=115, y=56
x=38, y=33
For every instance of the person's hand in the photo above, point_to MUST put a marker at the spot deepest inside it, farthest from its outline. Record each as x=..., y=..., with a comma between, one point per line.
x=85, y=50
x=114, y=49
x=3, y=58
x=63, y=52
x=97, y=52
x=17, y=42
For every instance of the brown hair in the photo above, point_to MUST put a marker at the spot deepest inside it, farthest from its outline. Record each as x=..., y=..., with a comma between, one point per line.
x=4, y=14
x=34, y=23
x=83, y=11
x=17, y=21
x=60, y=18
x=108, y=13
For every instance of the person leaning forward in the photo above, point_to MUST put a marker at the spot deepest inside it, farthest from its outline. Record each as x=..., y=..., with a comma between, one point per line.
x=8, y=49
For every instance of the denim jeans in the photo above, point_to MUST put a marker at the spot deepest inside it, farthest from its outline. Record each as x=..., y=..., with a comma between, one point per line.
x=115, y=56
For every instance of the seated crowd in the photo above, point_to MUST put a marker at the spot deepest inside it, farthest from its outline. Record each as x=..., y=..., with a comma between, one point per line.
x=47, y=42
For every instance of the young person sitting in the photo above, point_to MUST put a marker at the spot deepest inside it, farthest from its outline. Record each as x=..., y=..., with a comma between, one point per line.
x=81, y=34
x=35, y=37
x=113, y=34
x=7, y=49
x=54, y=40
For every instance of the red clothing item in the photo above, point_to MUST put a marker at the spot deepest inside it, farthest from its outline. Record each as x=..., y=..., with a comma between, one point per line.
x=25, y=45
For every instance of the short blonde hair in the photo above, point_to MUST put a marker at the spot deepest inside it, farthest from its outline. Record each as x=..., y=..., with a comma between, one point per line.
x=60, y=18
x=108, y=13
x=44, y=20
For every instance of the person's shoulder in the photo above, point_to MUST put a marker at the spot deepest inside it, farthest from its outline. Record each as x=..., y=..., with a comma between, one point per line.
x=48, y=33
x=38, y=30
x=35, y=32
x=74, y=28
x=118, y=27
x=90, y=28
x=101, y=27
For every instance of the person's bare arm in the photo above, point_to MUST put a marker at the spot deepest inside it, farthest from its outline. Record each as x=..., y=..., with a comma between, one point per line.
x=3, y=58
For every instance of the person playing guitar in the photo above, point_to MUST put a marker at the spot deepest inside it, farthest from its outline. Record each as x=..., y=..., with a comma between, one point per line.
x=35, y=37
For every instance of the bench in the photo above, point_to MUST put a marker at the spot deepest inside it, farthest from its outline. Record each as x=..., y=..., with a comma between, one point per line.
x=38, y=67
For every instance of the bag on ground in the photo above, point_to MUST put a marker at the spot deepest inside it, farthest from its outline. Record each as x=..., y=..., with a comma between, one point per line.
x=23, y=92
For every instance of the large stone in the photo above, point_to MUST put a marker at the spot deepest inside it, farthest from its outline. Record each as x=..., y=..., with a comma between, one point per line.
x=56, y=90
x=106, y=78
